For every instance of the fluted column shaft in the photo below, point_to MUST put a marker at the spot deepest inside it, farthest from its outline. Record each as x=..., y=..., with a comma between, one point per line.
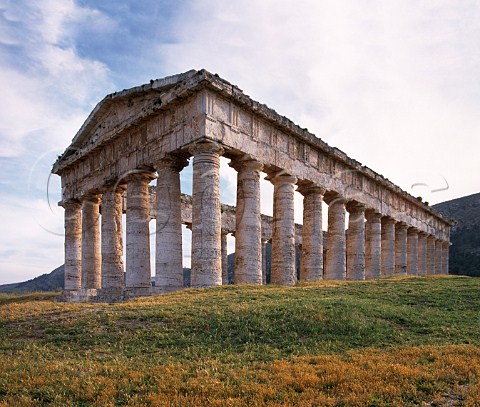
x=373, y=248
x=73, y=244
x=430, y=255
x=422, y=254
x=401, y=249
x=412, y=252
x=283, y=240
x=311, y=263
x=336, y=247
x=206, y=215
x=138, y=273
x=388, y=247
x=224, y=244
x=168, y=244
x=445, y=253
x=112, y=239
x=356, y=242
x=248, y=229
x=91, y=251
x=438, y=257
x=264, y=261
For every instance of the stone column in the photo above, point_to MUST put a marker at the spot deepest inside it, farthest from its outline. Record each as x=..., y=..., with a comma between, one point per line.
x=248, y=229
x=412, y=252
x=264, y=261
x=73, y=244
x=168, y=244
x=112, y=240
x=438, y=256
x=430, y=254
x=388, y=246
x=91, y=255
x=206, y=215
x=224, y=258
x=138, y=274
x=356, y=241
x=336, y=247
x=283, y=240
x=373, y=248
x=311, y=263
x=422, y=254
x=401, y=249
x=445, y=252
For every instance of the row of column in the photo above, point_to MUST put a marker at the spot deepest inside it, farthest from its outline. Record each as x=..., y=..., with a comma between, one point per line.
x=374, y=246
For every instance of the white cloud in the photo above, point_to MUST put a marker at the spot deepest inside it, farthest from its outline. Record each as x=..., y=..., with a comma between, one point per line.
x=394, y=84
x=48, y=90
x=31, y=240
x=47, y=84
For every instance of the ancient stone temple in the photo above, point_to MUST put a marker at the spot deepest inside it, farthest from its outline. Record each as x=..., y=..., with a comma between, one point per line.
x=151, y=131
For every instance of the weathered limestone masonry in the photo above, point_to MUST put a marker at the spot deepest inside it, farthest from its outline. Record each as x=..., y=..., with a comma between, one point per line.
x=151, y=131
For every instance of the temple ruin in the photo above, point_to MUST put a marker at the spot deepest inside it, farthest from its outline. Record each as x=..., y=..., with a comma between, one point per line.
x=151, y=131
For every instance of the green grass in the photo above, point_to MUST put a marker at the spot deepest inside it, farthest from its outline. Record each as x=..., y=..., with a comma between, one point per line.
x=229, y=335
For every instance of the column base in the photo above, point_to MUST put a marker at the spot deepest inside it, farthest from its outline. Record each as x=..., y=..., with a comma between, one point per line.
x=105, y=295
x=131, y=292
x=165, y=290
x=80, y=295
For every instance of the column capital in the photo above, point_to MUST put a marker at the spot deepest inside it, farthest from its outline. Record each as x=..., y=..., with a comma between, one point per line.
x=205, y=146
x=307, y=188
x=171, y=161
x=422, y=234
x=401, y=226
x=93, y=197
x=412, y=231
x=446, y=244
x=372, y=216
x=281, y=178
x=355, y=207
x=246, y=161
x=332, y=197
x=70, y=203
x=388, y=220
x=140, y=175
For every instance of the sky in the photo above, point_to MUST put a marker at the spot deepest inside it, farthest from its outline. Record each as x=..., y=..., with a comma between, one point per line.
x=395, y=84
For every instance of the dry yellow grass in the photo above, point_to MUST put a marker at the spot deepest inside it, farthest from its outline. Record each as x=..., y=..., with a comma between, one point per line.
x=386, y=343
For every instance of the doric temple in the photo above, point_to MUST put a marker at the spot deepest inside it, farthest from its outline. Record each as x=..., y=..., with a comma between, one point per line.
x=151, y=131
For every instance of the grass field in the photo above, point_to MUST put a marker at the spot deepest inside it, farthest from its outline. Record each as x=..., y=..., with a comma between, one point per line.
x=410, y=341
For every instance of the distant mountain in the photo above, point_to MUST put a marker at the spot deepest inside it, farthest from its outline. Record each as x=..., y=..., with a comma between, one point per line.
x=46, y=282
x=465, y=235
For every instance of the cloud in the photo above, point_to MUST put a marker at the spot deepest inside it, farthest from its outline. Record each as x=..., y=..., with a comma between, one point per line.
x=393, y=84
x=31, y=240
x=48, y=90
x=47, y=84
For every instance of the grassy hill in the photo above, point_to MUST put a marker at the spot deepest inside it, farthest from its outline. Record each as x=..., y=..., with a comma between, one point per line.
x=379, y=343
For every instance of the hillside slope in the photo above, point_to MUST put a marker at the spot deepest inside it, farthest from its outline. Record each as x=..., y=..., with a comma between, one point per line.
x=465, y=235
x=52, y=281
x=396, y=342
